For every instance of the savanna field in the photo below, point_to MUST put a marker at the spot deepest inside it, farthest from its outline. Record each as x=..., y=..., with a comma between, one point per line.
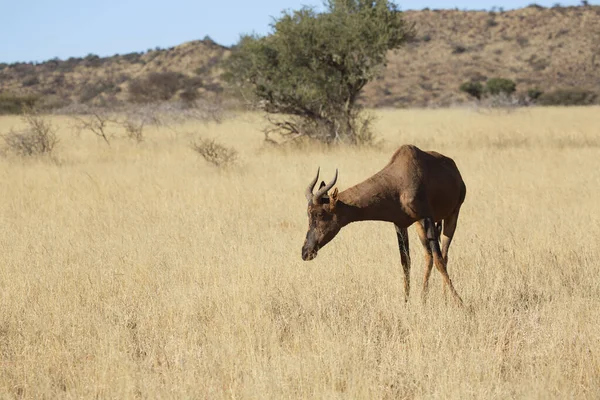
x=142, y=271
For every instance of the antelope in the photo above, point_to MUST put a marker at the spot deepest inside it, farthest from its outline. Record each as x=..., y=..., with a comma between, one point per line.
x=415, y=186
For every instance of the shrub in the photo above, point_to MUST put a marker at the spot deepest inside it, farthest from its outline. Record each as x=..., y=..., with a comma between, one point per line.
x=39, y=138
x=189, y=96
x=496, y=86
x=459, y=49
x=89, y=91
x=522, y=41
x=30, y=81
x=134, y=129
x=93, y=61
x=215, y=153
x=97, y=122
x=156, y=86
x=534, y=93
x=568, y=97
x=474, y=89
x=14, y=104
x=491, y=22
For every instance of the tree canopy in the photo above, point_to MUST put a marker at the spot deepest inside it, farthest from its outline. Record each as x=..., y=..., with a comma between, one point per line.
x=313, y=65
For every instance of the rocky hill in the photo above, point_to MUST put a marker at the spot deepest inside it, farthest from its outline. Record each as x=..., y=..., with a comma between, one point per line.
x=536, y=47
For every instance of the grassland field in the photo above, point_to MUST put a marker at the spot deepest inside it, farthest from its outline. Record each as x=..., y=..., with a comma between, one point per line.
x=142, y=271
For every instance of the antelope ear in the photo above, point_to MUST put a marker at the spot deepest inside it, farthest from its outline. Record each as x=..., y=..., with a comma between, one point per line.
x=333, y=199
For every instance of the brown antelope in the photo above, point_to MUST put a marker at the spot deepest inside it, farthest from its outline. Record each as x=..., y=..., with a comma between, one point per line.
x=415, y=186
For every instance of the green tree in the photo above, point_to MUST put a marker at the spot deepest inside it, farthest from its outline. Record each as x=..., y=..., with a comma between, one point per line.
x=313, y=66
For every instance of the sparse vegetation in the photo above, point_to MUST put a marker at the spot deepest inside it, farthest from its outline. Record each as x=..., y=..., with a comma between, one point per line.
x=496, y=86
x=491, y=22
x=472, y=88
x=534, y=93
x=459, y=48
x=215, y=152
x=568, y=97
x=156, y=86
x=38, y=138
x=96, y=121
x=15, y=104
x=522, y=41
x=134, y=128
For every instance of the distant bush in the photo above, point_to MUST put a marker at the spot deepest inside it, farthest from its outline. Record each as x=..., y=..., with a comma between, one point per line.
x=156, y=86
x=534, y=93
x=208, y=66
x=459, y=49
x=88, y=92
x=14, y=104
x=39, y=138
x=189, y=96
x=69, y=65
x=132, y=58
x=215, y=153
x=538, y=64
x=93, y=61
x=491, y=22
x=496, y=86
x=208, y=40
x=522, y=41
x=568, y=97
x=30, y=81
x=92, y=90
x=472, y=88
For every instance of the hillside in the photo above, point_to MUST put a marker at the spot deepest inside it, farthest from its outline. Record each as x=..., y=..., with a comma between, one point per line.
x=535, y=47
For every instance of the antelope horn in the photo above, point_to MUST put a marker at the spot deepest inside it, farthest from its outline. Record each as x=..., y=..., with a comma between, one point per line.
x=325, y=189
x=311, y=186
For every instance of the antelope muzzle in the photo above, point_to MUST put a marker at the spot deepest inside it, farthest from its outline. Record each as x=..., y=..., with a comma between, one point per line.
x=310, y=248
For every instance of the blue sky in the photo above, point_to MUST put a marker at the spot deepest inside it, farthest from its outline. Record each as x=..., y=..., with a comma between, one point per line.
x=38, y=30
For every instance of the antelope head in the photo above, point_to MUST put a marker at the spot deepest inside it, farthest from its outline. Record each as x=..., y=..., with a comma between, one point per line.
x=323, y=221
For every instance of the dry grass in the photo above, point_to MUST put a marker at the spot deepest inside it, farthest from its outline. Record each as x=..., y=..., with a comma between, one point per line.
x=141, y=271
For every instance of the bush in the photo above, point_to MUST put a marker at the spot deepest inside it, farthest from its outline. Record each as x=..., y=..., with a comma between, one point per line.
x=134, y=129
x=39, y=138
x=534, y=93
x=496, y=86
x=156, y=86
x=14, y=104
x=568, y=97
x=459, y=49
x=475, y=89
x=491, y=22
x=189, y=96
x=215, y=153
x=30, y=81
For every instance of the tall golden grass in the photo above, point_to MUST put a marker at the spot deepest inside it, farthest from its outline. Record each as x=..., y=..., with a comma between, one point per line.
x=141, y=271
